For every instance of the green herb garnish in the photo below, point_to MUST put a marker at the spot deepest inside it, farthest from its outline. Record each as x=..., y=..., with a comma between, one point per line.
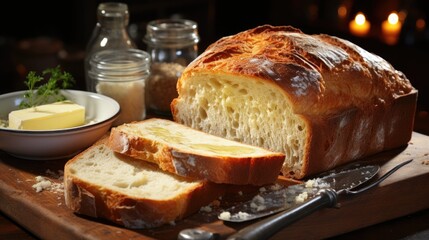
x=47, y=92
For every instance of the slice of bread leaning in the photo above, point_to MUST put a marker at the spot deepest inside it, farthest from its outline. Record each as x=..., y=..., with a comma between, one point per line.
x=191, y=153
x=136, y=194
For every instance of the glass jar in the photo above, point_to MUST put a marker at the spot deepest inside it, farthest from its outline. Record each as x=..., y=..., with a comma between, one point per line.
x=172, y=45
x=121, y=75
x=110, y=32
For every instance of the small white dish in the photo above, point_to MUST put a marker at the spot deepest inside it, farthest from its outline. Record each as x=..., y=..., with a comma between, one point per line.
x=101, y=112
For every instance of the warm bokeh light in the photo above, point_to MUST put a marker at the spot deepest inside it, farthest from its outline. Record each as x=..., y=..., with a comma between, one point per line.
x=420, y=24
x=393, y=18
x=360, y=19
x=342, y=11
x=391, y=28
x=359, y=26
x=402, y=15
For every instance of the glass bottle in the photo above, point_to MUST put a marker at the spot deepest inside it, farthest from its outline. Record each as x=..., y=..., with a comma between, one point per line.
x=172, y=45
x=121, y=75
x=110, y=32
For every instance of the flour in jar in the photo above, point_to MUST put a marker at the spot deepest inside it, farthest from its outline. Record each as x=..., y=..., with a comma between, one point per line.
x=131, y=97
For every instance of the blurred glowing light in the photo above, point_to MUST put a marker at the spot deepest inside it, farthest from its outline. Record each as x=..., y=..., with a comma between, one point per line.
x=420, y=24
x=342, y=11
x=393, y=18
x=402, y=15
x=359, y=26
x=360, y=19
x=391, y=28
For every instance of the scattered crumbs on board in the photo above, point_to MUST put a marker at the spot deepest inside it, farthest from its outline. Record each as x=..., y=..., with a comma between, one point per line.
x=301, y=197
x=293, y=195
x=46, y=182
x=209, y=208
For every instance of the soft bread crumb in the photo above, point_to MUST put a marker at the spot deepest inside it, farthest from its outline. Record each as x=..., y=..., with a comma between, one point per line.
x=128, y=176
x=209, y=208
x=236, y=110
x=206, y=209
x=243, y=215
x=309, y=183
x=240, y=215
x=43, y=183
x=301, y=197
x=225, y=215
x=258, y=203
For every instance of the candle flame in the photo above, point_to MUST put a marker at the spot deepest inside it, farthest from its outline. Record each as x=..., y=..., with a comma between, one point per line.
x=393, y=18
x=360, y=18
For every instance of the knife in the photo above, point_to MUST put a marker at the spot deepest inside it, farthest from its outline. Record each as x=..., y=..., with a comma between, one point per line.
x=322, y=195
x=341, y=183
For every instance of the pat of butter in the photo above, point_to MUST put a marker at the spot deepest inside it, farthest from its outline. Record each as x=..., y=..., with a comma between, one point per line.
x=57, y=115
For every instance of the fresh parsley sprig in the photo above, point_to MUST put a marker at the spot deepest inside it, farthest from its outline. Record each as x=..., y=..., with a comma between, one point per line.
x=49, y=91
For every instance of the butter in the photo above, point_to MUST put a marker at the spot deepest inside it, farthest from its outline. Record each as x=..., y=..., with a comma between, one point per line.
x=223, y=149
x=178, y=138
x=167, y=135
x=57, y=115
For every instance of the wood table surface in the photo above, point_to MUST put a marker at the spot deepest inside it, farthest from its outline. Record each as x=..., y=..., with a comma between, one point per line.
x=411, y=227
x=396, y=209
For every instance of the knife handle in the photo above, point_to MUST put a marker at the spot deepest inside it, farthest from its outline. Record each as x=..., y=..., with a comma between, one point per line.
x=266, y=228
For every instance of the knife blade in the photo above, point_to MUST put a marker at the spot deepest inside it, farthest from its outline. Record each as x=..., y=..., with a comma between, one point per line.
x=276, y=199
x=343, y=183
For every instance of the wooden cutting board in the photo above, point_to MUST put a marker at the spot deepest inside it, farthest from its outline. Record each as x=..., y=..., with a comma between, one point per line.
x=45, y=214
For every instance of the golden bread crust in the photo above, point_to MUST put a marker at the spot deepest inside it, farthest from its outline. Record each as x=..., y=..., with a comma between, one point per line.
x=318, y=73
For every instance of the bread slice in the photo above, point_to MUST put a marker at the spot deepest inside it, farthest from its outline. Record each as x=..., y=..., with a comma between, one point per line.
x=191, y=153
x=136, y=194
x=321, y=100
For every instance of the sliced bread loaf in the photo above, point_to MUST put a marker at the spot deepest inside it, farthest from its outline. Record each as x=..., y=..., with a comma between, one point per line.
x=136, y=194
x=321, y=100
x=187, y=152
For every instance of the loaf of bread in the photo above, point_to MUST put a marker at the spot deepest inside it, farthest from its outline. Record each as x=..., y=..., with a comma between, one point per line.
x=321, y=100
x=190, y=153
x=136, y=194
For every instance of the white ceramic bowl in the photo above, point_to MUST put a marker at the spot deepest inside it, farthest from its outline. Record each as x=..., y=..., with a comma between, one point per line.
x=101, y=111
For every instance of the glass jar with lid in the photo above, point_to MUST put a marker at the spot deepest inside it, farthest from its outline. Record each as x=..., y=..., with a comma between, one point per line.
x=121, y=75
x=172, y=45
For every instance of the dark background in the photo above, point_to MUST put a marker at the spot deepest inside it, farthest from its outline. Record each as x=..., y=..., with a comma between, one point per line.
x=35, y=35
